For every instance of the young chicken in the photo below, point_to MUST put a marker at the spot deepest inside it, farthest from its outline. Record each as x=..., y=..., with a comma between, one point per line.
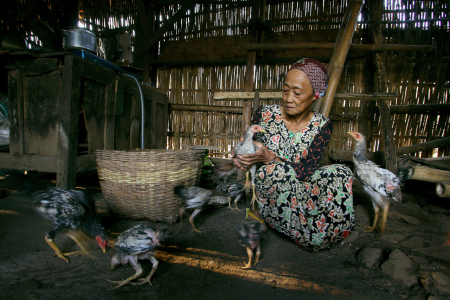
x=248, y=147
x=379, y=183
x=193, y=198
x=69, y=209
x=224, y=171
x=234, y=190
x=138, y=242
x=250, y=234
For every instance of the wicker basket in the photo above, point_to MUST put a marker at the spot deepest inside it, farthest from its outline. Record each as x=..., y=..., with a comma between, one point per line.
x=138, y=184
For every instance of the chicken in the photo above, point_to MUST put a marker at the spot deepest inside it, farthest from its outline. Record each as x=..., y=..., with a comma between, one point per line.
x=250, y=234
x=218, y=201
x=234, y=190
x=70, y=209
x=379, y=183
x=224, y=171
x=138, y=242
x=193, y=198
x=248, y=147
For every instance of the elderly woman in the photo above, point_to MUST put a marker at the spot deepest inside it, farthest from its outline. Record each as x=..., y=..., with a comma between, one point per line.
x=312, y=205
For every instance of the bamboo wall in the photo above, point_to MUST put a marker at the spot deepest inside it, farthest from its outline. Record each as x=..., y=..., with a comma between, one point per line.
x=221, y=30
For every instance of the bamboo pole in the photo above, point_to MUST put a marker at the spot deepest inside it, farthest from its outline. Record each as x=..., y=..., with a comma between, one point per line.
x=443, y=189
x=428, y=174
x=331, y=46
x=341, y=54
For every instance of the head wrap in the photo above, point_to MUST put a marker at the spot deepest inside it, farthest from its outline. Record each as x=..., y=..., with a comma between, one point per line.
x=317, y=74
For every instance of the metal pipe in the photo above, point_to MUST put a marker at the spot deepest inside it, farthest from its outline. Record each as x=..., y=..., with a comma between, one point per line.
x=142, y=105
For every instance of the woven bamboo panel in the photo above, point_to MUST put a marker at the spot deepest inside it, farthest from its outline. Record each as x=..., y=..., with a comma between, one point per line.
x=138, y=184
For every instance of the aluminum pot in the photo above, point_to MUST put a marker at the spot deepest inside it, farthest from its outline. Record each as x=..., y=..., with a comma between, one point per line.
x=79, y=39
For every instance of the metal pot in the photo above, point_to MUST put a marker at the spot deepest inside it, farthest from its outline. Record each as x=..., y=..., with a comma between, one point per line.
x=79, y=39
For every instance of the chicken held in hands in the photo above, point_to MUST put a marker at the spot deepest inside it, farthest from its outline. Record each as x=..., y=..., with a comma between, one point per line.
x=379, y=183
x=248, y=147
x=70, y=209
x=250, y=234
x=193, y=197
x=137, y=243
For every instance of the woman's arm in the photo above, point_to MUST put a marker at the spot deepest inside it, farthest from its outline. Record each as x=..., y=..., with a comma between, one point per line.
x=309, y=164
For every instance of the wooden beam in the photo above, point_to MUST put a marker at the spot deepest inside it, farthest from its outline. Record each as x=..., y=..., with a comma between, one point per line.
x=331, y=46
x=207, y=108
x=387, y=132
x=348, y=155
x=441, y=108
x=278, y=95
x=69, y=107
x=168, y=24
x=443, y=142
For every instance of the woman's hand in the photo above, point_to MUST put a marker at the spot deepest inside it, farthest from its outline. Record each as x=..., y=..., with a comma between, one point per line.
x=245, y=161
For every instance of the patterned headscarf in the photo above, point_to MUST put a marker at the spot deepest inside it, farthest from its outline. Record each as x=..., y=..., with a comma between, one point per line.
x=317, y=74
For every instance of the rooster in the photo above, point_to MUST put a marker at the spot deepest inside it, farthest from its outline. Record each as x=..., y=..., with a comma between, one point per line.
x=70, y=209
x=379, y=183
x=248, y=147
x=193, y=198
x=250, y=234
x=138, y=242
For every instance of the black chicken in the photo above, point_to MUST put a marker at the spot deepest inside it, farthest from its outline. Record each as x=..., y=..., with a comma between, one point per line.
x=70, y=209
x=138, y=242
x=248, y=147
x=250, y=234
x=379, y=183
x=193, y=198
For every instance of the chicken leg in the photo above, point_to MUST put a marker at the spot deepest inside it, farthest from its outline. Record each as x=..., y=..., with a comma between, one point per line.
x=136, y=266
x=155, y=264
x=250, y=256
x=191, y=220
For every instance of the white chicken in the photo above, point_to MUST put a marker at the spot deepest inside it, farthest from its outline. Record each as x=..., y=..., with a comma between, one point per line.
x=248, y=147
x=137, y=243
x=379, y=183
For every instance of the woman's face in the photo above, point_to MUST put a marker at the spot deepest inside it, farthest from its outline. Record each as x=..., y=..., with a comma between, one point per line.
x=298, y=93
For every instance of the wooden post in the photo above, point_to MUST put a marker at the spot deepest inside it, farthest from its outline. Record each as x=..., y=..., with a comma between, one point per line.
x=15, y=90
x=387, y=133
x=69, y=108
x=340, y=54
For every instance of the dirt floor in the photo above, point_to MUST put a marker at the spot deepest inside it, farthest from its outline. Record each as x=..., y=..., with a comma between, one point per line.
x=207, y=265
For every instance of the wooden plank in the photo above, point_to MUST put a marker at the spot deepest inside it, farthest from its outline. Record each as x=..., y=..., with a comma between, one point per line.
x=29, y=162
x=110, y=104
x=122, y=125
x=69, y=107
x=36, y=66
x=15, y=95
x=40, y=113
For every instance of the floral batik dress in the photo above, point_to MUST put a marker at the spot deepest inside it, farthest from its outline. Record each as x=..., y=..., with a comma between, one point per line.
x=312, y=205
